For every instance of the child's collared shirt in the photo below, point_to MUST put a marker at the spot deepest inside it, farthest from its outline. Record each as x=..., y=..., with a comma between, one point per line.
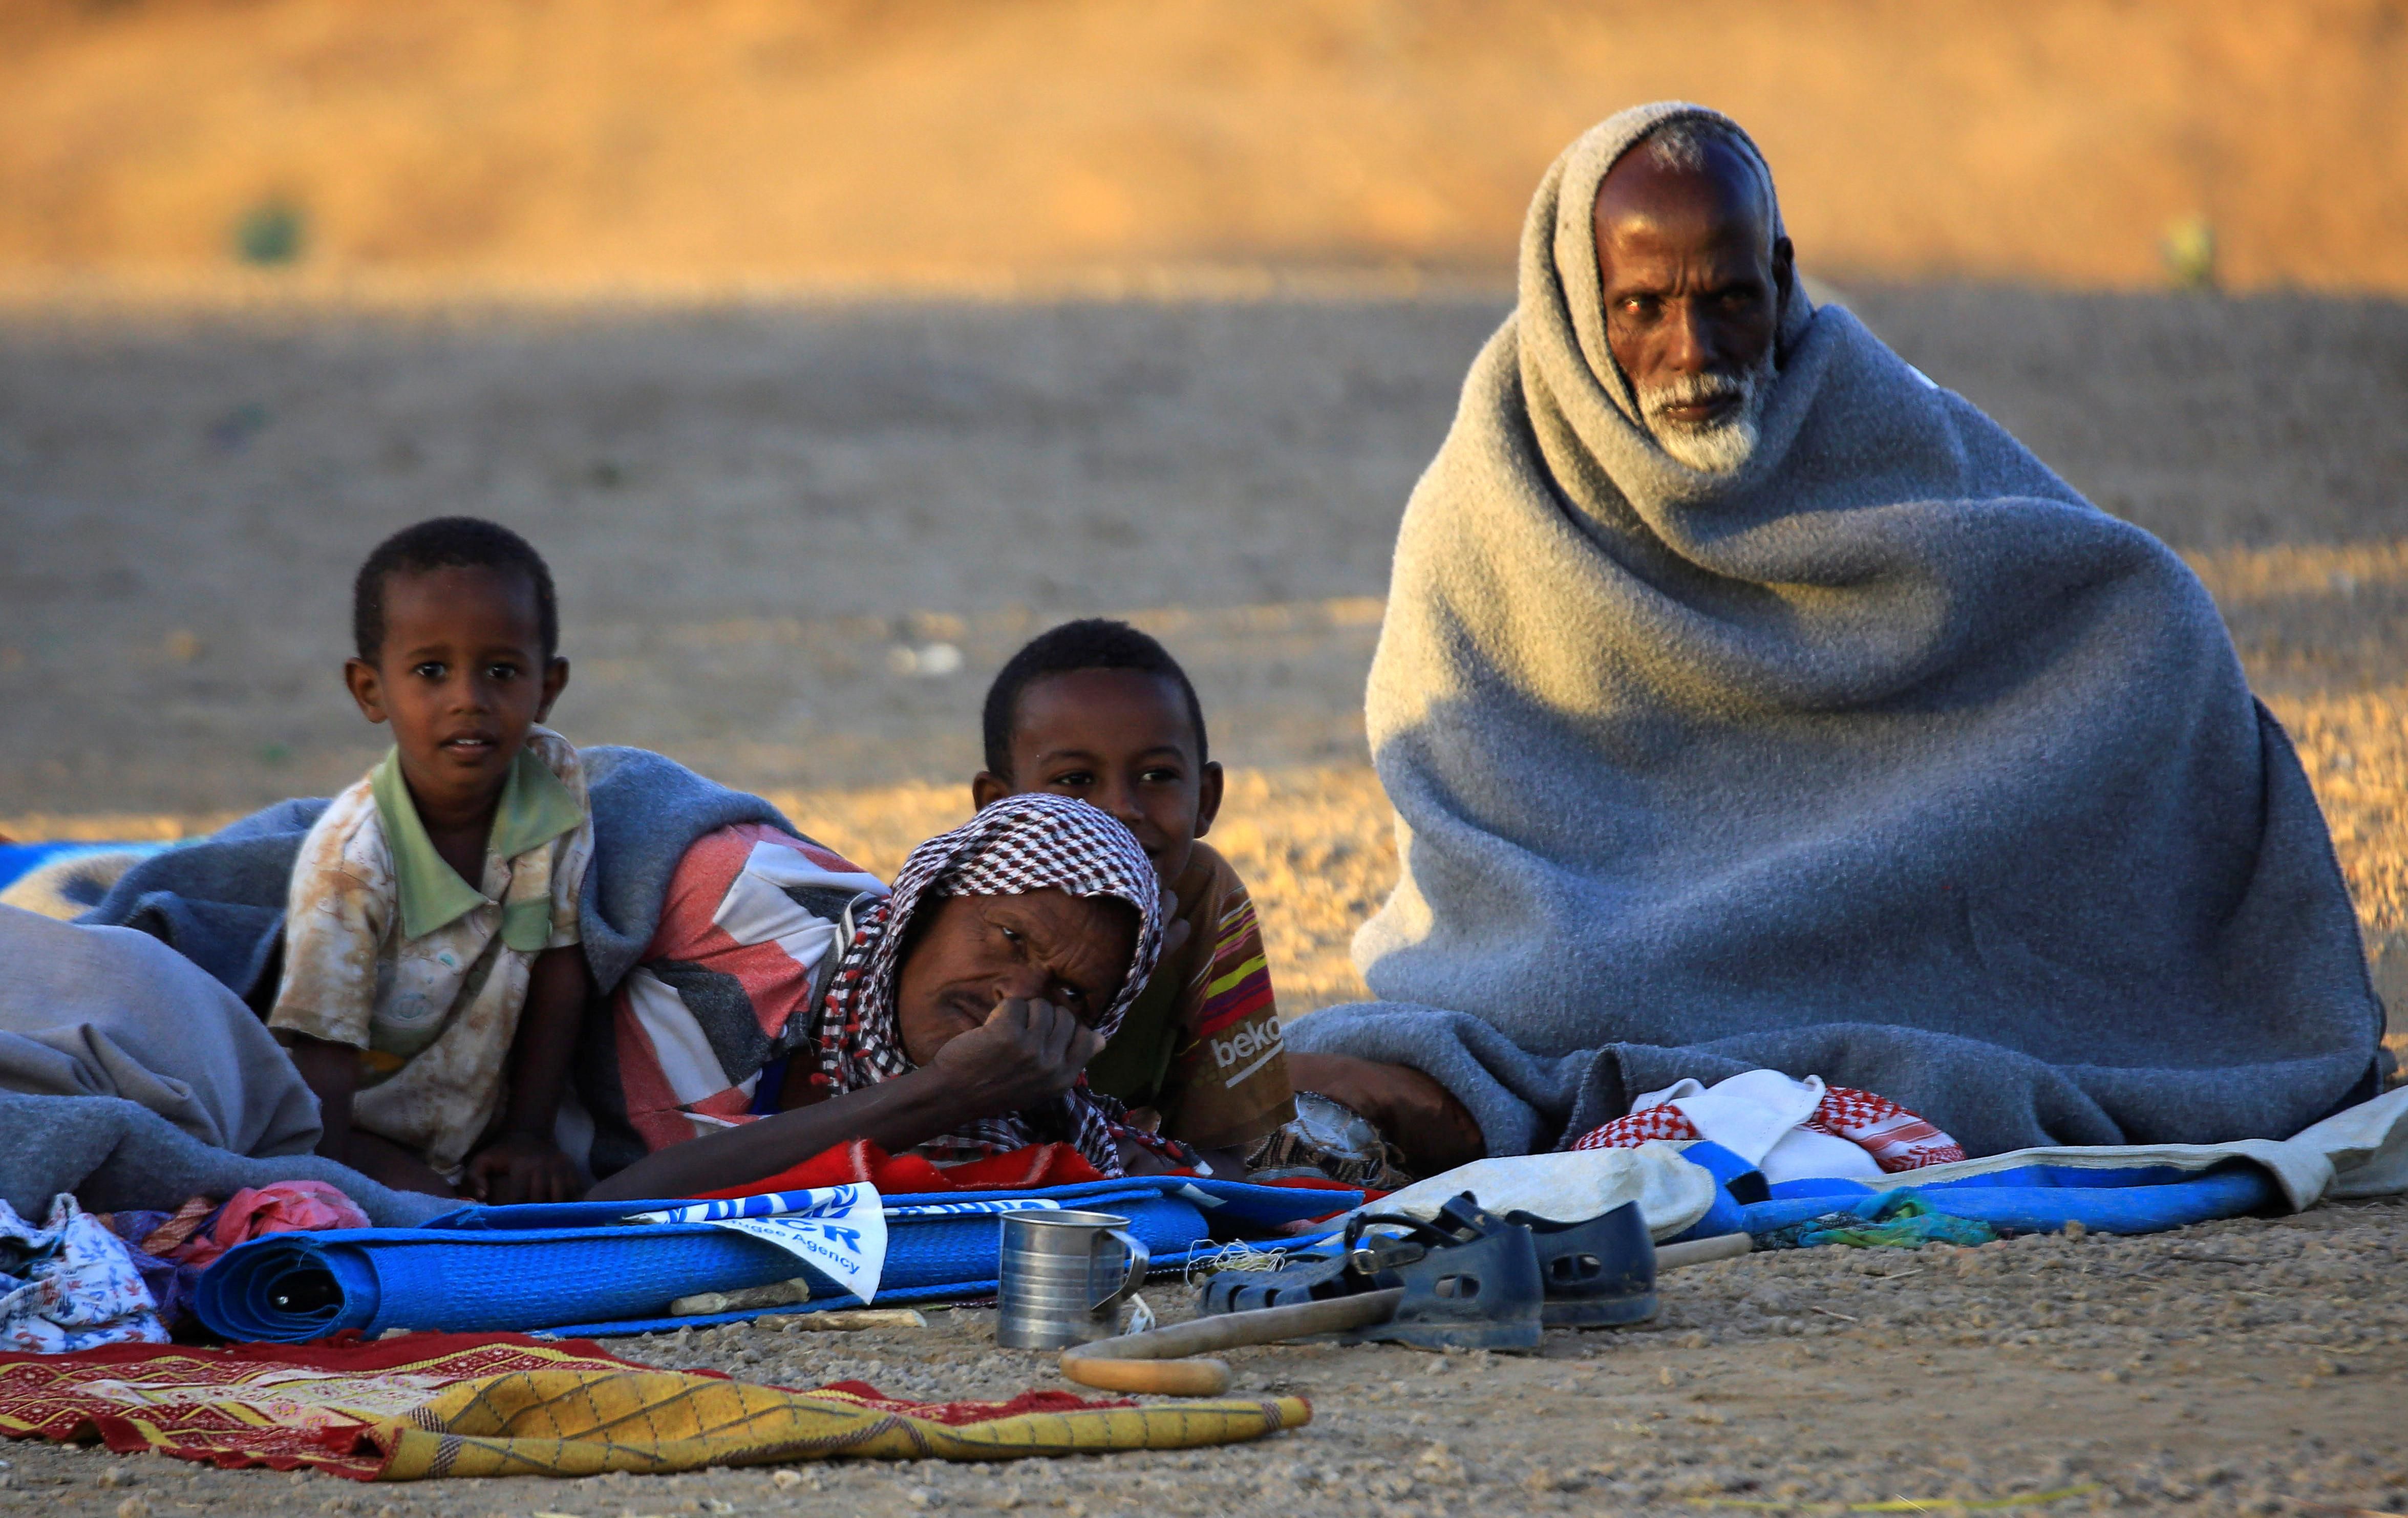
x=387, y=949
x=1202, y=1045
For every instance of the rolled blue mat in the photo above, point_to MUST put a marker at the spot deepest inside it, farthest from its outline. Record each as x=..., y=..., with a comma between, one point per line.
x=292, y=1287
x=2232, y=1191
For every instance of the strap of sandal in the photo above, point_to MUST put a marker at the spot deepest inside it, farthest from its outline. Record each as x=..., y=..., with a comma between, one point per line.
x=1368, y=1255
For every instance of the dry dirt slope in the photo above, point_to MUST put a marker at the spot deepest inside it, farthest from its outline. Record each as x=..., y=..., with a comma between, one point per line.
x=965, y=143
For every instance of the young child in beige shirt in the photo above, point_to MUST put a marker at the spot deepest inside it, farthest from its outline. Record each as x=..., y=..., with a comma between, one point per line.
x=433, y=981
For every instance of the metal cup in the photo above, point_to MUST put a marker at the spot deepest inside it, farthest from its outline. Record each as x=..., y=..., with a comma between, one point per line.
x=1064, y=1275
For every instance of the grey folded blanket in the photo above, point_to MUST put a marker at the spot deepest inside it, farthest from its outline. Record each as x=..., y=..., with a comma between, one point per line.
x=116, y=1154
x=87, y=1010
x=1887, y=758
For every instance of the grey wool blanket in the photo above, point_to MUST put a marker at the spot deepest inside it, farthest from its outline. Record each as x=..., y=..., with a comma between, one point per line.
x=1885, y=758
x=117, y=1154
x=107, y=1011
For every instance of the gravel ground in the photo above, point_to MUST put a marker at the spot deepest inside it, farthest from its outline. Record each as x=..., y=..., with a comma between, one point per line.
x=2233, y=1367
x=764, y=521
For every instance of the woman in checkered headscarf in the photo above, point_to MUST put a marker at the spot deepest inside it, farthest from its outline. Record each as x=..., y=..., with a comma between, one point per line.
x=964, y=1006
x=1021, y=844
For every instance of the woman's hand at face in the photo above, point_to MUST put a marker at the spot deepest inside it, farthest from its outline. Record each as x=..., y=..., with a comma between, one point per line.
x=1025, y=1054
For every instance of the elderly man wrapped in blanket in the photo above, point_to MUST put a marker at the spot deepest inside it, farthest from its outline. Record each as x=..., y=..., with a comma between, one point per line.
x=1749, y=703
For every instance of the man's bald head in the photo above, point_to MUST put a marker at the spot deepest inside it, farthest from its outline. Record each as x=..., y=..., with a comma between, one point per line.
x=1695, y=275
x=1703, y=145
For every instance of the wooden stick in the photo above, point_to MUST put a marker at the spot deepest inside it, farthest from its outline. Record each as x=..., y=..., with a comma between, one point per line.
x=1152, y=1361
x=844, y=1320
x=776, y=1294
x=2335, y=1507
x=1700, y=1251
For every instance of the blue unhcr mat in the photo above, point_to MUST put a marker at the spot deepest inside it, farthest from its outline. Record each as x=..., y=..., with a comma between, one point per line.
x=2043, y=1198
x=578, y=1267
x=18, y=860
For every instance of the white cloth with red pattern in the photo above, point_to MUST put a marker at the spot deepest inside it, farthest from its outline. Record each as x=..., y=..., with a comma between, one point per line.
x=1790, y=1130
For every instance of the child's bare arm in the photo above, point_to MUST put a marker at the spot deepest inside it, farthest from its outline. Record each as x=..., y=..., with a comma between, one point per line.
x=332, y=1072
x=523, y=1164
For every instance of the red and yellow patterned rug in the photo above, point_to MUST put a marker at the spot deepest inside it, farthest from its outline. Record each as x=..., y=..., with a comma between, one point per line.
x=503, y=1404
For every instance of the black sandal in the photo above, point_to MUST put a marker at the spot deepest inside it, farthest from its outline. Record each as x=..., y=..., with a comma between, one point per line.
x=1599, y=1273
x=1470, y=1281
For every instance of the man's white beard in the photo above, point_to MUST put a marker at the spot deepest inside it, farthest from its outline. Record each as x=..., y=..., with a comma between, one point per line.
x=1723, y=445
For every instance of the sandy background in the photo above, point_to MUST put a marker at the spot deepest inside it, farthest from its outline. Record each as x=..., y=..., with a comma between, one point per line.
x=567, y=145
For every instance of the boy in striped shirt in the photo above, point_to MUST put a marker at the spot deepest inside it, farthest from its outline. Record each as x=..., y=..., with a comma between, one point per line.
x=1097, y=710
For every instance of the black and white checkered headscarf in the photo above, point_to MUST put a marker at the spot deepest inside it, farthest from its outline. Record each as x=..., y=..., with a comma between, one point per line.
x=1021, y=843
